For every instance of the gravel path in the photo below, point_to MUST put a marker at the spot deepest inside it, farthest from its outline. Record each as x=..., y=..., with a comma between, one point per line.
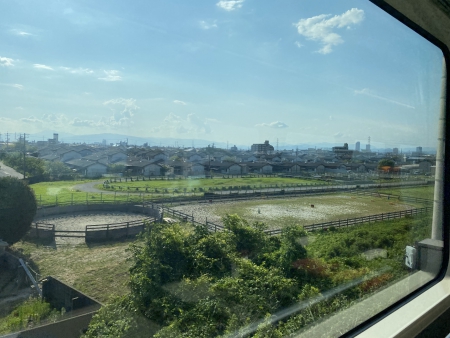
x=79, y=221
x=6, y=171
x=90, y=187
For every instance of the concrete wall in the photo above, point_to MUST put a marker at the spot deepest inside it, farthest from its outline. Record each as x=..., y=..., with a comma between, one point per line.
x=80, y=309
x=69, y=328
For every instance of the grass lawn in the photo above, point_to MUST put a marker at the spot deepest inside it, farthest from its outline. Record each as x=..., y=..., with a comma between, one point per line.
x=205, y=184
x=277, y=213
x=55, y=188
x=100, y=271
x=426, y=192
x=63, y=192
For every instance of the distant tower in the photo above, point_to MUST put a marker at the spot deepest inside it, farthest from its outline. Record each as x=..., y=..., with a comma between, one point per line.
x=55, y=138
x=358, y=146
x=368, y=144
x=419, y=150
x=395, y=151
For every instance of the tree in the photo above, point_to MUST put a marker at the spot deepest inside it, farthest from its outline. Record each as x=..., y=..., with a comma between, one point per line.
x=57, y=169
x=17, y=209
x=386, y=164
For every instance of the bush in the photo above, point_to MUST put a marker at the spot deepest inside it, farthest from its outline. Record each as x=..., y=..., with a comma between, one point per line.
x=17, y=209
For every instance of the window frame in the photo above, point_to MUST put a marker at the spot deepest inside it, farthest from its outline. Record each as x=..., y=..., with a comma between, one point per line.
x=415, y=312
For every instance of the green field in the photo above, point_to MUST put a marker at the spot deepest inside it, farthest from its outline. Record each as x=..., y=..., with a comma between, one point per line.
x=195, y=184
x=64, y=192
x=426, y=192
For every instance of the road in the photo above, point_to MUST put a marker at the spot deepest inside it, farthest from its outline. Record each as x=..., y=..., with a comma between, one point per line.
x=6, y=171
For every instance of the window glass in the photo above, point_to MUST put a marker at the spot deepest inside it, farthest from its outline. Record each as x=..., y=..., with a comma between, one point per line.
x=286, y=153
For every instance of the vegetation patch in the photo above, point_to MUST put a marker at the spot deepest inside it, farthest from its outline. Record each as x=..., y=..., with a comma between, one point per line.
x=28, y=314
x=201, y=284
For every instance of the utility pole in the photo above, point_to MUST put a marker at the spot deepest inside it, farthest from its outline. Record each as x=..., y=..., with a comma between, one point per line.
x=24, y=155
x=7, y=140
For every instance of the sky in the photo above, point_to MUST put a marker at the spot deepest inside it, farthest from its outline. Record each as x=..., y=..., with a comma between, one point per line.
x=242, y=71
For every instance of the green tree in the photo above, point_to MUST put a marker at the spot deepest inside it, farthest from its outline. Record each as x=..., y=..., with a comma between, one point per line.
x=17, y=209
x=386, y=164
x=56, y=169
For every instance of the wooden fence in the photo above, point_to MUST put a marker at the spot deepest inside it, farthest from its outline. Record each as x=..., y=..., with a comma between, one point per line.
x=97, y=232
x=312, y=227
x=343, y=223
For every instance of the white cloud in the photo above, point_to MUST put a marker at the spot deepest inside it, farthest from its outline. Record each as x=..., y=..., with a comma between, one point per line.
x=111, y=75
x=123, y=111
x=77, y=122
x=19, y=108
x=30, y=119
x=53, y=120
x=6, y=62
x=207, y=25
x=174, y=125
x=78, y=70
x=18, y=86
x=20, y=32
x=39, y=66
x=368, y=92
x=298, y=44
x=180, y=102
x=276, y=124
x=320, y=28
x=338, y=135
x=230, y=5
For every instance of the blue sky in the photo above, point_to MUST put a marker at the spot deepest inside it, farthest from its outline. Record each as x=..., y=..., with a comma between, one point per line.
x=240, y=71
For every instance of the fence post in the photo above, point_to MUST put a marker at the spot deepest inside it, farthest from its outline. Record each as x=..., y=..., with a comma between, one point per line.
x=107, y=231
x=37, y=230
x=128, y=225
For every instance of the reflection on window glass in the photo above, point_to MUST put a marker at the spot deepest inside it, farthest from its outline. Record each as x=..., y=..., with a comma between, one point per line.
x=235, y=168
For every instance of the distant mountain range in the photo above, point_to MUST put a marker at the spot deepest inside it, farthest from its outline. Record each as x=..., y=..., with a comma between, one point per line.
x=186, y=143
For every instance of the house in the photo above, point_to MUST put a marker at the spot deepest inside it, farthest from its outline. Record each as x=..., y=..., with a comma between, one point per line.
x=196, y=169
x=116, y=156
x=194, y=158
x=88, y=168
x=260, y=167
x=234, y=169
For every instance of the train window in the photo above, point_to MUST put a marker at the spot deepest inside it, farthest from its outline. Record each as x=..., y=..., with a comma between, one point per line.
x=289, y=156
